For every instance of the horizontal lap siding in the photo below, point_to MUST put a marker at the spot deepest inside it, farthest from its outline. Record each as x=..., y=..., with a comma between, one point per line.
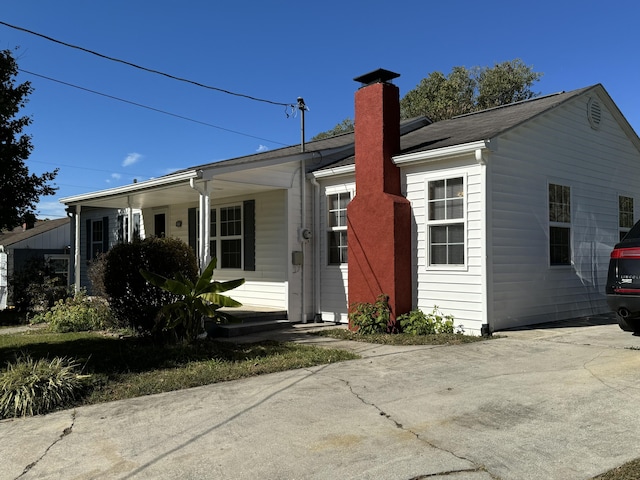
x=266, y=286
x=560, y=147
x=334, y=279
x=456, y=291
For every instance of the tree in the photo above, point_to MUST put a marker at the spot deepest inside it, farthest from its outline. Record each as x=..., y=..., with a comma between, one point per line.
x=464, y=90
x=345, y=126
x=20, y=191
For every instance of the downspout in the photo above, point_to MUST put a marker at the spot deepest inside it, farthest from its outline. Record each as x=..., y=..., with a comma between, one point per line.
x=316, y=250
x=485, y=329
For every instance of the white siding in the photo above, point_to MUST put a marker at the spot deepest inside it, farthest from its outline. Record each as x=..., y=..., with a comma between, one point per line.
x=333, y=278
x=559, y=147
x=458, y=291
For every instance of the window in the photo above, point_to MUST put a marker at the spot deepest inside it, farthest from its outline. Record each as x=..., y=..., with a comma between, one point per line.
x=97, y=234
x=559, y=224
x=225, y=241
x=625, y=215
x=446, y=221
x=337, y=227
x=60, y=265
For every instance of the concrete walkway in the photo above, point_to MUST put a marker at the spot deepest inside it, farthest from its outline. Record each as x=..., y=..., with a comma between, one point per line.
x=559, y=402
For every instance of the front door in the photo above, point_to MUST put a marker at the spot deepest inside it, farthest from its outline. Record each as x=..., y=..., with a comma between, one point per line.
x=159, y=225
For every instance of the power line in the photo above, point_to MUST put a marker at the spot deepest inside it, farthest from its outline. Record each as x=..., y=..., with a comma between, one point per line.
x=150, y=70
x=147, y=107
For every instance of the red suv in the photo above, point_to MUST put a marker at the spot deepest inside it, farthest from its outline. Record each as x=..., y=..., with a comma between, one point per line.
x=623, y=281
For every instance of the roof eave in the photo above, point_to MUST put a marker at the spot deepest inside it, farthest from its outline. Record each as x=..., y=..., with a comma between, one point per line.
x=134, y=187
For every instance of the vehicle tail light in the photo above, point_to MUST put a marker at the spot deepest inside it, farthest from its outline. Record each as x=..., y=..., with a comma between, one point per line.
x=633, y=252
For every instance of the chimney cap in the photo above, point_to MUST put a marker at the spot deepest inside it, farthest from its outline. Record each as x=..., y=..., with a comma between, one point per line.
x=377, y=76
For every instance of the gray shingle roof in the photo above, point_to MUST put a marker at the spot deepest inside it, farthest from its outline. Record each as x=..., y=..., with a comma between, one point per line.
x=41, y=226
x=482, y=125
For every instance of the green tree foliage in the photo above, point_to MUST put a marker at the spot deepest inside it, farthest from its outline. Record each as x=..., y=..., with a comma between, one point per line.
x=439, y=96
x=345, y=126
x=20, y=191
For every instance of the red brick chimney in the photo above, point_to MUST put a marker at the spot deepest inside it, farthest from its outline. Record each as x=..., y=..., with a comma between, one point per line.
x=379, y=217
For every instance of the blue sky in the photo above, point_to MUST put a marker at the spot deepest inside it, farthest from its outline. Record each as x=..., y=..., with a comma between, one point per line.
x=277, y=51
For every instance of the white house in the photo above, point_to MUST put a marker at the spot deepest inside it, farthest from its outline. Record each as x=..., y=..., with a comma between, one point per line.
x=48, y=240
x=501, y=218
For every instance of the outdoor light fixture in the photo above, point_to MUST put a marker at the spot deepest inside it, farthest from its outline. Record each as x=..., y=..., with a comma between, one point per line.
x=179, y=223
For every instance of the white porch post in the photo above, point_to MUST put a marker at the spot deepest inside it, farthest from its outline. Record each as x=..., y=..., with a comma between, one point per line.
x=204, y=224
x=129, y=221
x=76, y=259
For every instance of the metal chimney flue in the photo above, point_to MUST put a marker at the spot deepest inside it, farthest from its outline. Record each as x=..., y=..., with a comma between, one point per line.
x=377, y=76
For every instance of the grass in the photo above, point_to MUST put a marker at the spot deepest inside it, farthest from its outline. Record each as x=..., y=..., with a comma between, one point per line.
x=628, y=471
x=122, y=368
x=401, y=338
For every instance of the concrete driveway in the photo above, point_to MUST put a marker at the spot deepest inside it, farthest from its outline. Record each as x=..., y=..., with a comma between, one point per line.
x=559, y=402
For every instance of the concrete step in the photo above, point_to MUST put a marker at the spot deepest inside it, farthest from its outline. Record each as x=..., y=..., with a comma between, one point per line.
x=249, y=322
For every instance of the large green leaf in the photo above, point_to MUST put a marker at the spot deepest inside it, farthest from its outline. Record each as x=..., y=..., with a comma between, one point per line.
x=172, y=286
x=207, y=276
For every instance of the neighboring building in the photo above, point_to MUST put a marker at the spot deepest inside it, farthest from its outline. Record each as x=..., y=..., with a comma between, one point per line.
x=47, y=239
x=501, y=218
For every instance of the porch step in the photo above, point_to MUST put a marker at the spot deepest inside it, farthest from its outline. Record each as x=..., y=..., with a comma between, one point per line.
x=250, y=322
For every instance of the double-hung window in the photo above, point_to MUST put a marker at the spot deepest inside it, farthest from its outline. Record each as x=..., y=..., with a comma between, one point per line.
x=225, y=240
x=97, y=236
x=559, y=224
x=625, y=215
x=445, y=220
x=337, y=227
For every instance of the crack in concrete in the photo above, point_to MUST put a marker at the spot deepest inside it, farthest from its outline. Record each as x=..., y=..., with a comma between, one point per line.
x=64, y=433
x=585, y=365
x=382, y=413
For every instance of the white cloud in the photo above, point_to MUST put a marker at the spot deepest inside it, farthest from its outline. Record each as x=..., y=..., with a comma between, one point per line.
x=131, y=159
x=262, y=148
x=50, y=210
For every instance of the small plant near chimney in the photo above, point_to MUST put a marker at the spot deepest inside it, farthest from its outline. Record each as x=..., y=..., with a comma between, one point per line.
x=417, y=322
x=371, y=318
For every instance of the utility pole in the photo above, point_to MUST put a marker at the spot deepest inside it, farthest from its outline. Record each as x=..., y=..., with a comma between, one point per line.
x=302, y=107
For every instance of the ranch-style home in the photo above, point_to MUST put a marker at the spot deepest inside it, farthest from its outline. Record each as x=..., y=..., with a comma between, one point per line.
x=502, y=218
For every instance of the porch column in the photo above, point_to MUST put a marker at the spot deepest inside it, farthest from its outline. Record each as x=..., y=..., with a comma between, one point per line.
x=204, y=224
x=129, y=221
x=76, y=259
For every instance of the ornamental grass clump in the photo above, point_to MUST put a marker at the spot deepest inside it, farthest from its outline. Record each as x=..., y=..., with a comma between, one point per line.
x=34, y=387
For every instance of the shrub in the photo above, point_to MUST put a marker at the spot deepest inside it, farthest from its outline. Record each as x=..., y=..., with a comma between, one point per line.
x=35, y=287
x=370, y=318
x=417, y=322
x=33, y=387
x=133, y=301
x=196, y=300
x=78, y=314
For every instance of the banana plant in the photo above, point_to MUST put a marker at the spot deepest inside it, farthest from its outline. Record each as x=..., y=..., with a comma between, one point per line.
x=195, y=300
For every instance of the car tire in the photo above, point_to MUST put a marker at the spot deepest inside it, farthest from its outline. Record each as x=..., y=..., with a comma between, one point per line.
x=628, y=324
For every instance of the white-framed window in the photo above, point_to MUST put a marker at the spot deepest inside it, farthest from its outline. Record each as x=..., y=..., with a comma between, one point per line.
x=123, y=228
x=97, y=238
x=337, y=250
x=446, y=221
x=59, y=262
x=559, y=224
x=226, y=236
x=625, y=214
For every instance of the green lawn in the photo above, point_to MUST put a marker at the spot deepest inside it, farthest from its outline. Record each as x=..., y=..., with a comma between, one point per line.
x=129, y=367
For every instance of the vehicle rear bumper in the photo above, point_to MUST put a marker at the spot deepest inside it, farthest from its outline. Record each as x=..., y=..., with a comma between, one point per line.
x=629, y=302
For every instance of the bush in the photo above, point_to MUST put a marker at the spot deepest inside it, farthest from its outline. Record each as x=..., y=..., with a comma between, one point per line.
x=417, y=322
x=33, y=387
x=35, y=287
x=133, y=301
x=370, y=318
x=78, y=314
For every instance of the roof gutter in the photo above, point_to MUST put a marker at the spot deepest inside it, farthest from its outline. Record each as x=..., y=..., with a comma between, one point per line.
x=440, y=153
x=135, y=187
